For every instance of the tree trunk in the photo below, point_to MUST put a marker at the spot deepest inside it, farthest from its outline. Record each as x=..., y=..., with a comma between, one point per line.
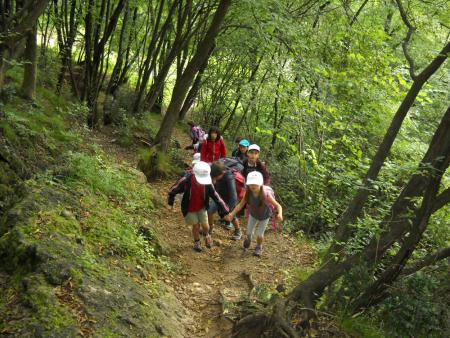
x=440, y=146
x=394, y=226
x=355, y=207
x=30, y=67
x=152, y=53
x=192, y=95
x=185, y=81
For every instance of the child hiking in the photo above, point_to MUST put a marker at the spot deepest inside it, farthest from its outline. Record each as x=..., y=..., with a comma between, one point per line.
x=196, y=134
x=260, y=201
x=252, y=163
x=213, y=148
x=240, y=152
x=197, y=188
x=225, y=184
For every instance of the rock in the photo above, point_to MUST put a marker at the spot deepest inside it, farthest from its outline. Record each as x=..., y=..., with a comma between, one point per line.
x=67, y=214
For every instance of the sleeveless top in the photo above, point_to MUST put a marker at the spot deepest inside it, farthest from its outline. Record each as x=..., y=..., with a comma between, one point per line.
x=256, y=211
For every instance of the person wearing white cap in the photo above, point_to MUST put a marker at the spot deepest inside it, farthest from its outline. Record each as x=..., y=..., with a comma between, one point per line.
x=252, y=163
x=197, y=188
x=261, y=202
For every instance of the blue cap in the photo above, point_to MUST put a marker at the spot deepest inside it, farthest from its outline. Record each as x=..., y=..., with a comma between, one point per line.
x=244, y=143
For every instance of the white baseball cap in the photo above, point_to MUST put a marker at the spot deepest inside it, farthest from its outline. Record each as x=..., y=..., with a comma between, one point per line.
x=196, y=158
x=254, y=147
x=201, y=172
x=254, y=177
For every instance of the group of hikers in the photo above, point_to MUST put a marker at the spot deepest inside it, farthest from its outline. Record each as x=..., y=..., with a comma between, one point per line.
x=215, y=183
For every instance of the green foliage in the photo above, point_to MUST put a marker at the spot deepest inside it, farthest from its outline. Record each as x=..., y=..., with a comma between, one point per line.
x=361, y=327
x=419, y=306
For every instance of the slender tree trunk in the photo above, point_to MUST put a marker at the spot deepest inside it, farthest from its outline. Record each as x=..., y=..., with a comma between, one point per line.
x=238, y=99
x=356, y=205
x=30, y=67
x=192, y=95
x=182, y=86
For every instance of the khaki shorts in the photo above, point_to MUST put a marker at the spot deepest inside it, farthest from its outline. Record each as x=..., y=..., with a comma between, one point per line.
x=199, y=217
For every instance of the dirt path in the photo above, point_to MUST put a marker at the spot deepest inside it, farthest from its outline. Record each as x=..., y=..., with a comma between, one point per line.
x=202, y=280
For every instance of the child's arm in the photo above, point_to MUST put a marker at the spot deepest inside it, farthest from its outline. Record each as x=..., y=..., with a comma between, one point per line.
x=203, y=151
x=277, y=206
x=176, y=189
x=223, y=150
x=236, y=209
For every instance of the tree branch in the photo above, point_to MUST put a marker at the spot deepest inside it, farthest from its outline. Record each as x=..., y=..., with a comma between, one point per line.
x=426, y=261
x=358, y=12
x=441, y=200
x=407, y=39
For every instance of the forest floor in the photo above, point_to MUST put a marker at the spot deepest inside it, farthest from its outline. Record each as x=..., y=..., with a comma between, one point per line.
x=207, y=282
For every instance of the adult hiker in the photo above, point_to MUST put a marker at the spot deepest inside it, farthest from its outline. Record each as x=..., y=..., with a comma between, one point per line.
x=224, y=183
x=241, y=151
x=197, y=188
x=260, y=200
x=252, y=163
x=213, y=148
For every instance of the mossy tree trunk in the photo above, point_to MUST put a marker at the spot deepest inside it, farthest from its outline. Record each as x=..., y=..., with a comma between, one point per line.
x=182, y=86
x=30, y=67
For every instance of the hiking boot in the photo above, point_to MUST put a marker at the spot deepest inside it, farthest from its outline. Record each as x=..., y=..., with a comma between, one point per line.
x=247, y=242
x=237, y=235
x=197, y=246
x=228, y=226
x=208, y=241
x=258, y=251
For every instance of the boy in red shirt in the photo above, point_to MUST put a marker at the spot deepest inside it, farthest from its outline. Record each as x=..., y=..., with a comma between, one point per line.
x=197, y=188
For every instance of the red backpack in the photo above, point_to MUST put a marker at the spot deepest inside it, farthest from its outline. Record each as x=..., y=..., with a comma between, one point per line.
x=240, y=183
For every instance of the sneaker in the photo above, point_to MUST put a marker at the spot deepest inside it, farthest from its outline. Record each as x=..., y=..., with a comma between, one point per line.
x=247, y=242
x=258, y=251
x=197, y=246
x=228, y=226
x=237, y=235
x=208, y=241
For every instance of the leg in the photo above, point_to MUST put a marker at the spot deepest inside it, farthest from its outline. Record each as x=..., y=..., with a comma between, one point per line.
x=192, y=219
x=236, y=223
x=211, y=211
x=210, y=221
x=196, y=231
x=203, y=219
x=237, y=230
x=260, y=236
x=250, y=228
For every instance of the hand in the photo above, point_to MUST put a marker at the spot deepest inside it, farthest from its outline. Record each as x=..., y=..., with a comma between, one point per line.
x=280, y=217
x=228, y=218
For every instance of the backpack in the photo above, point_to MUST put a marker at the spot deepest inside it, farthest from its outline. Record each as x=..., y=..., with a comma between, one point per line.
x=198, y=133
x=240, y=183
x=233, y=163
x=268, y=192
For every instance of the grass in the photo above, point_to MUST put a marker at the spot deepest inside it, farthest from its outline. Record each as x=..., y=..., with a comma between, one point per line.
x=84, y=218
x=360, y=327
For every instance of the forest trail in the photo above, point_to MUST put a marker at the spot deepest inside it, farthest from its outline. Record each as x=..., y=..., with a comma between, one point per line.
x=226, y=272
